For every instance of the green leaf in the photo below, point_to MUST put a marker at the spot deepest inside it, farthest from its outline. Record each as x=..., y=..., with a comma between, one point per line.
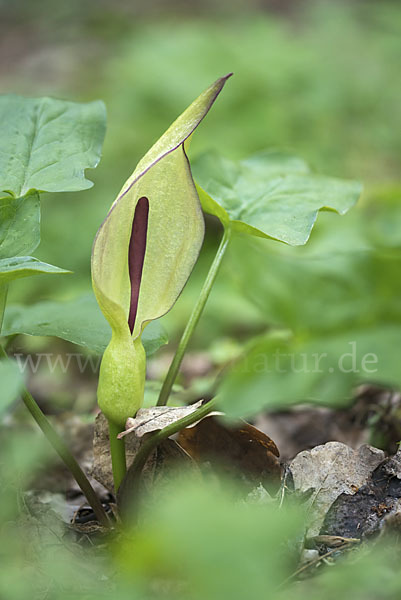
x=24, y=266
x=154, y=337
x=270, y=195
x=11, y=383
x=280, y=370
x=321, y=291
x=79, y=321
x=19, y=225
x=259, y=528
x=342, y=307
x=46, y=144
x=382, y=218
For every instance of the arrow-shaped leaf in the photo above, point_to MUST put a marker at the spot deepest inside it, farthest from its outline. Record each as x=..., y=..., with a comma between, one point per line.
x=46, y=144
x=270, y=195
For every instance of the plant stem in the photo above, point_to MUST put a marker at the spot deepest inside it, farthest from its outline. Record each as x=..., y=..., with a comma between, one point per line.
x=3, y=301
x=66, y=456
x=117, y=451
x=63, y=452
x=130, y=485
x=193, y=319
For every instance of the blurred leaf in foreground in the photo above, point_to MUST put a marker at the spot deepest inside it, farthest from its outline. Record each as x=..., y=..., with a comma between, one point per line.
x=11, y=383
x=195, y=548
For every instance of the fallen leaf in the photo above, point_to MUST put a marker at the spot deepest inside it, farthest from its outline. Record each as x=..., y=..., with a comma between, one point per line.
x=243, y=452
x=156, y=467
x=157, y=417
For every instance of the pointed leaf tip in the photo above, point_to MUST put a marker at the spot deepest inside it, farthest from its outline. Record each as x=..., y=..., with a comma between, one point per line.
x=178, y=132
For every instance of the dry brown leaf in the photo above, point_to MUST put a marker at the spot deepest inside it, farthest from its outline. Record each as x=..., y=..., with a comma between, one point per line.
x=243, y=452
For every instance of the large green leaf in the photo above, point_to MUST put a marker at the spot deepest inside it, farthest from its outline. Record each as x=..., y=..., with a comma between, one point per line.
x=270, y=195
x=19, y=225
x=79, y=321
x=343, y=307
x=24, y=266
x=46, y=144
x=280, y=369
x=320, y=291
x=258, y=528
x=11, y=383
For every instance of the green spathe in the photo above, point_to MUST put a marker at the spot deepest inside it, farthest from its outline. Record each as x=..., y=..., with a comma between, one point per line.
x=122, y=376
x=175, y=233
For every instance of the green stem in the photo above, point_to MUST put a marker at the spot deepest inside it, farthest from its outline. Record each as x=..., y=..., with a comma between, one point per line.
x=3, y=301
x=63, y=452
x=130, y=485
x=193, y=320
x=117, y=451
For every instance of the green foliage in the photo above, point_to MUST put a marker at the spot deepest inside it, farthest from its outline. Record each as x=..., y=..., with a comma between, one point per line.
x=319, y=80
x=19, y=225
x=175, y=551
x=79, y=321
x=46, y=144
x=236, y=563
x=270, y=195
x=333, y=311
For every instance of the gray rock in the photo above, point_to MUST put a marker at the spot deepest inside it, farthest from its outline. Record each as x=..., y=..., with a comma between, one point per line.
x=331, y=470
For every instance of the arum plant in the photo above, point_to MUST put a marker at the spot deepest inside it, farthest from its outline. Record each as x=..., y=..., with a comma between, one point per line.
x=142, y=257
x=150, y=240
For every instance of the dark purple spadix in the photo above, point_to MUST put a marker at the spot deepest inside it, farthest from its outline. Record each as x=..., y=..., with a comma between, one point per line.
x=136, y=254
